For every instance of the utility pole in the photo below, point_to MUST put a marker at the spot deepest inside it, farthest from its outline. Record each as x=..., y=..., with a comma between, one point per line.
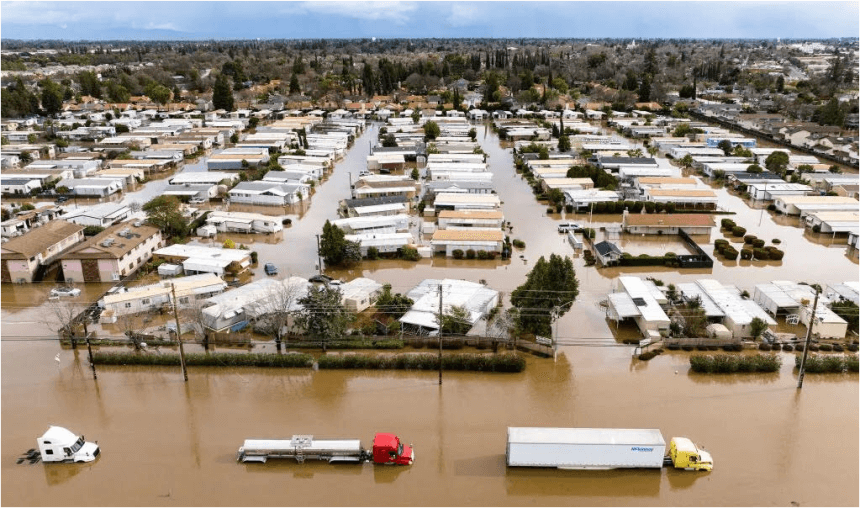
x=319, y=258
x=440, y=334
x=89, y=349
x=179, y=333
x=806, y=346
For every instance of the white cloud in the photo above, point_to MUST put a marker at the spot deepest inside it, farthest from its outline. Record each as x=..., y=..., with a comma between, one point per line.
x=463, y=14
x=397, y=12
x=40, y=13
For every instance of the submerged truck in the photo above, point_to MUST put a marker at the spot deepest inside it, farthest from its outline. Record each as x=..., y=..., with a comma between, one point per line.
x=61, y=445
x=565, y=448
x=387, y=449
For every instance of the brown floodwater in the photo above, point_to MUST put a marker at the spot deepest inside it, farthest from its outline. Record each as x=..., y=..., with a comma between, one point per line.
x=167, y=443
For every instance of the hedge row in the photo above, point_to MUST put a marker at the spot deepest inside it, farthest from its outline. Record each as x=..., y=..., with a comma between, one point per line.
x=503, y=362
x=205, y=360
x=349, y=344
x=724, y=364
x=828, y=363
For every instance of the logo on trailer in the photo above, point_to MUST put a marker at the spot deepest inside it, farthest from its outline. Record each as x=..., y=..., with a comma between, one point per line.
x=641, y=449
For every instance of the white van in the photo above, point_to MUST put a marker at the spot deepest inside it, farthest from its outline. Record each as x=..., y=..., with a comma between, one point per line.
x=565, y=227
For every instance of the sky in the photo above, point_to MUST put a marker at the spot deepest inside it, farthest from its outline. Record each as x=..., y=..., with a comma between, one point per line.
x=165, y=20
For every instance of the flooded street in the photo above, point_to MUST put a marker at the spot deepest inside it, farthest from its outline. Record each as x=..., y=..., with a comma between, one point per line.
x=167, y=443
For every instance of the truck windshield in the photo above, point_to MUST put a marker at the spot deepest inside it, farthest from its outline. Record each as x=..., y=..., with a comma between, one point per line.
x=400, y=449
x=78, y=444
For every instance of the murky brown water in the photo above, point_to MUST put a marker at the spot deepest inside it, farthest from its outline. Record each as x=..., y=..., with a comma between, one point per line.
x=166, y=443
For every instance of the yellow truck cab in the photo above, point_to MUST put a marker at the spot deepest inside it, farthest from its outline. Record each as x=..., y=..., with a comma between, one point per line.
x=685, y=455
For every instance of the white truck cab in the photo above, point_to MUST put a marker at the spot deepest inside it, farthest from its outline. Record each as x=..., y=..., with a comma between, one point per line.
x=61, y=445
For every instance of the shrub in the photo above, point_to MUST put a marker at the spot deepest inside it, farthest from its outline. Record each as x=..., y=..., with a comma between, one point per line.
x=771, y=207
x=470, y=254
x=372, y=253
x=776, y=254
x=787, y=347
x=457, y=253
x=724, y=364
x=519, y=243
x=730, y=253
x=853, y=347
x=746, y=253
x=502, y=362
x=647, y=356
x=550, y=210
x=764, y=347
x=738, y=231
x=761, y=254
x=254, y=257
x=721, y=244
x=758, y=243
x=205, y=359
x=818, y=364
x=825, y=347
x=568, y=208
x=727, y=224
x=838, y=348
x=748, y=239
x=409, y=254
x=482, y=254
x=776, y=241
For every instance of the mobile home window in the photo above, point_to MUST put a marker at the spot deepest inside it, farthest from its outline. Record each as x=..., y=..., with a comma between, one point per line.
x=128, y=305
x=145, y=301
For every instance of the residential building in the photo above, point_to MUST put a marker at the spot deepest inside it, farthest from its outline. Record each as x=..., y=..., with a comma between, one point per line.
x=102, y=215
x=137, y=299
x=477, y=299
x=789, y=298
x=202, y=259
x=360, y=293
x=383, y=242
x=242, y=222
x=667, y=224
x=803, y=205
x=95, y=187
x=21, y=257
x=114, y=253
x=268, y=193
x=470, y=219
x=725, y=304
x=253, y=301
x=607, y=253
x=456, y=201
x=640, y=300
x=449, y=240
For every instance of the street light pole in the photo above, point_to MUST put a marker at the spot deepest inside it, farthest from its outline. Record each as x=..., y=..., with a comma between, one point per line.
x=440, y=334
x=319, y=258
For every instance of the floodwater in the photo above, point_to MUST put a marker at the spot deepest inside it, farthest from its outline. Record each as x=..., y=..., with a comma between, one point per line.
x=167, y=443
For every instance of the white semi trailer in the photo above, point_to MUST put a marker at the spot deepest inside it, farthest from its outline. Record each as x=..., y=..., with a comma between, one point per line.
x=566, y=448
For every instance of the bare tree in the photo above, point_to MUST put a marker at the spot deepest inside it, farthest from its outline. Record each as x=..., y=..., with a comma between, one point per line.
x=130, y=324
x=65, y=316
x=192, y=316
x=274, y=314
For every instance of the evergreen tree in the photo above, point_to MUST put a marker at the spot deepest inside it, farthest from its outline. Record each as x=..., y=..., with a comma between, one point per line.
x=294, y=85
x=222, y=94
x=52, y=96
x=548, y=293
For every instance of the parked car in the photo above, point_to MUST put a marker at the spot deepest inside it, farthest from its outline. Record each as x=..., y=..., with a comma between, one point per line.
x=61, y=199
x=59, y=292
x=271, y=269
x=321, y=279
x=565, y=227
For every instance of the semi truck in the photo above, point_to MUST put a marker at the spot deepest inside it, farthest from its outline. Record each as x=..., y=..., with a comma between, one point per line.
x=387, y=449
x=566, y=448
x=61, y=445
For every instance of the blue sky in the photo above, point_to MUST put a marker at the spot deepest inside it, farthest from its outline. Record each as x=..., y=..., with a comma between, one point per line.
x=300, y=20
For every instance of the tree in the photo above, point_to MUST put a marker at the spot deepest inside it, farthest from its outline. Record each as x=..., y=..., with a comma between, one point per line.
x=563, y=143
x=415, y=175
x=222, y=93
x=777, y=162
x=278, y=309
x=26, y=157
x=754, y=168
x=431, y=130
x=847, y=310
x=335, y=249
x=726, y=146
x=831, y=113
x=52, y=96
x=548, y=293
x=416, y=116
x=323, y=316
x=393, y=305
x=90, y=84
x=164, y=213
x=389, y=141
x=294, y=85
x=681, y=130
x=757, y=327
x=456, y=321
x=686, y=161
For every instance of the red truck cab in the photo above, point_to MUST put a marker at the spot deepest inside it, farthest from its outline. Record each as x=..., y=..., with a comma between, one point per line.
x=387, y=449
